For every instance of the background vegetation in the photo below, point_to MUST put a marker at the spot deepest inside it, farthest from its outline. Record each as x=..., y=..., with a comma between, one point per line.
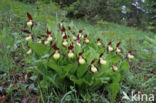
x=18, y=82
x=136, y=13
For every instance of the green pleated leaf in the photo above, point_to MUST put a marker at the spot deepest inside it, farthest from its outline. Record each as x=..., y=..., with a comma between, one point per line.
x=55, y=67
x=113, y=89
x=81, y=70
x=76, y=80
x=38, y=48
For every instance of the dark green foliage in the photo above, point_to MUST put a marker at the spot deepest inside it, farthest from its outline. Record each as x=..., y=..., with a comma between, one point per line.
x=95, y=9
x=152, y=14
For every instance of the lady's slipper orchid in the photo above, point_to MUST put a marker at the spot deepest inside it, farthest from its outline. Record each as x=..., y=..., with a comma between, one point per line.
x=114, y=68
x=81, y=59
x=30, y=22
x=46, y=42
x=78, y=41
x=50, y=38
x=92, y=67
x=69, y=28
x=74, y=36
x=70, y=53
x=118, y=50
x=61, y=24
x=129, y=55
x=117, y=47
x=101, y=60
x=63, y=32
x=86, y=40
x=80, y=34
x=29, y=51
x=99, y=42
x=29, y=37
x=109, y=48
x=40, y=41
x=56, y=54
x=78, y=44
x=65, y=42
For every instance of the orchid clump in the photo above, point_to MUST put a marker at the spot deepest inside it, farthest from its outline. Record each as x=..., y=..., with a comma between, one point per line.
x=78, y=59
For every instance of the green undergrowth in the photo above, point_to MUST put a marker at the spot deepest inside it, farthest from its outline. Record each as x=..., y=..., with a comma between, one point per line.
x=17, y=82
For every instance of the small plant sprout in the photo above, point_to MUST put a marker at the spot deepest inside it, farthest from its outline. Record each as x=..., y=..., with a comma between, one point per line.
x=63, y=32
x=29, y=51
x=101, y=60
x=129, y=55
x=81, y=59
x=56, y=54
x=117, y=47
x=30, y=22
x=109, y=48
x=70, y=52
x=92, y=67
x=65, y=42
x=86, y=40
x=99, y=42
x=30, y=37
x=114, y=68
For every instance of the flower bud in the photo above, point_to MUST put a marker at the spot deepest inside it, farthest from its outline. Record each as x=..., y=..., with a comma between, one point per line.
x=28, y=38
x=70, y=54
x=93, y=68
x=103, y=62
x=110, y=48
x=56, y=55
x=81, y=60
x=29, y=23
x=130, y=56
x=29, y=51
